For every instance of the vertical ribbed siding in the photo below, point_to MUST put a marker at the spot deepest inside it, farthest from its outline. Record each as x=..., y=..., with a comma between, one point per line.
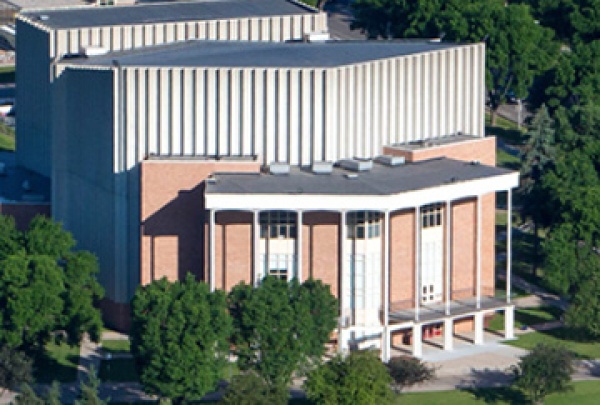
x=116, y=38
x=302, y=115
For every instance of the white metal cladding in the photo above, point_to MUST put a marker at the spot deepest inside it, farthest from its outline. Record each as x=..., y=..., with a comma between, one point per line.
x=303, y=115
x=117, y=38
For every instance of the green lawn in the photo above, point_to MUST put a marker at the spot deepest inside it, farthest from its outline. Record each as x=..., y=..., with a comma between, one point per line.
x=116, y=346
x=58, y=362
x=584, y=393
x=7, y=74
x=507, y=161
x=527, y=316
x=7, y=137
x=581, y=348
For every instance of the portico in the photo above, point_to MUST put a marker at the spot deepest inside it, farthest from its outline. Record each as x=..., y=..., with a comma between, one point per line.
x=440, y=198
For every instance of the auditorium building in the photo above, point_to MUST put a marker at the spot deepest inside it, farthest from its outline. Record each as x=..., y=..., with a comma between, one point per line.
x=234, y=140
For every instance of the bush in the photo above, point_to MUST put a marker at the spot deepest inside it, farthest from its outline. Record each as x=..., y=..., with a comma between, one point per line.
x=250, y=389
x=358, y=379
x=407, y=371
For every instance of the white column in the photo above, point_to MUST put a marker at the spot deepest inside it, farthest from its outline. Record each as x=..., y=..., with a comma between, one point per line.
x=448, y=334
x=509, y=322
x=417, y=261
x=212, y=253
x=386, y=288
x=256, y=246
x=448, y=253
x=342, y=336
x=508, y=245
x=478, y=281
x=299, y=246
x=478, y=338
x=417, y=340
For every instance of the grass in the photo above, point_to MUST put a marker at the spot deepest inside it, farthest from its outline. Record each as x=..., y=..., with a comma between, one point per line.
x=7, y=138
x=584, y=393
x=116, y=346
x=118, y=370
x=507, y=161
x=58, y=362
x=527, y=317
x=582, y=349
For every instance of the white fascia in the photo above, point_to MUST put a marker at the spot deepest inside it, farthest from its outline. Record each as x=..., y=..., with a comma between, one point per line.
x=341, y=202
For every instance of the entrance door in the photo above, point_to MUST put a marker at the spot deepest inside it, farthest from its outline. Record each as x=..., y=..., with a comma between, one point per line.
x=432, y=254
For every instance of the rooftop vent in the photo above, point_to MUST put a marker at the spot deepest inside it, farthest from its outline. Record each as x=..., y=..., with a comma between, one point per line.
x=211, y=180
x=351, y=176
x=319, y=36
x=357, y=165
x=279, y=169
x=26, y=186
x=43, y=17
x=322, y=167
x=389, y=160
x=93, y=51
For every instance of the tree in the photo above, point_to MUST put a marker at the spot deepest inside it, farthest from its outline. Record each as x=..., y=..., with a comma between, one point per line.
x=251, y=389
x=281, y=326
x=358, y=379
x=545, y=370
x=583, y=313
x=407, y=371
x=518, y=49
x=179, y=338
x=45, y=285
x=89, y=391
x=538, y=158
x=15, y=369
x=27, y=396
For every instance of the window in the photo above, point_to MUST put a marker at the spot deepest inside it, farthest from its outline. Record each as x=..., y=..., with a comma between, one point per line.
x=278, y=225
x=431, y=215
x=364, y=225
x=282, y=266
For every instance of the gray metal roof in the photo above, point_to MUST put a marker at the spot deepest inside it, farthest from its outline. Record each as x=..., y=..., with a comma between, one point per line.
x=380, y=180
x=264, y=54
x=164, y=12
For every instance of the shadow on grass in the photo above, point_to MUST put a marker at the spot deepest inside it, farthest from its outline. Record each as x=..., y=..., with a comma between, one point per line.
x=49, y=368
x=493, y=386
x=510, y=136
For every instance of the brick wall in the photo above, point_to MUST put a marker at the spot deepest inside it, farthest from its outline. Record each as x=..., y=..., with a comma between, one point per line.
x=482, y=149
x=172, y=215
x=321, y=248
x=402, y=260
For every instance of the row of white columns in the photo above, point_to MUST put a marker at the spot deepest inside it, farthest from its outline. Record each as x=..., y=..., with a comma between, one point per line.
x=417, y=329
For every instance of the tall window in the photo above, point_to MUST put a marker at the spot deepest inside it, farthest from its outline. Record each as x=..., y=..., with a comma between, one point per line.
x=431, y=215
x=278, y=244
x=364, y=225
x=432, y=253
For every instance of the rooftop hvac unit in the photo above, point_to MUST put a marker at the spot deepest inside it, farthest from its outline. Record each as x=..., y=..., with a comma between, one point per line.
x=357, y=165
x=90, y=51
x=389, y=160
x=321, y=36
x=279, y=169
x=322, y=167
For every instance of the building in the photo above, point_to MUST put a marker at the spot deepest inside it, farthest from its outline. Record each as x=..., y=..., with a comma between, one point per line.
x=210, y=138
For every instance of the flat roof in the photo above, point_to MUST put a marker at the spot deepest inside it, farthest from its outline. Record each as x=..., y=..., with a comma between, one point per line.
x=24, y=4
x=380, y=180
x=200, y=53
x=164, y=12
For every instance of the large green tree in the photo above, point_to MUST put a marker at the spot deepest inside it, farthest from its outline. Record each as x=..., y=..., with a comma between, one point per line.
x=357, y=379
x=518, y=49
x=537, y=159
x=179, y=338
x=281, y=326
x=545, y=370
x=45, y=285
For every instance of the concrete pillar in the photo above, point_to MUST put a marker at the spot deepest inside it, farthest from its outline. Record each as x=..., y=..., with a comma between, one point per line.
x=212, y=247
x=386, y=348
x=417, y=340
x=509, y=322
x=385, y=344
x=299, y=245
x=255, y=246
x=478, y=336
x=448, y=334
x=417, y=261
x=448, y=254
x=343, y=334
x=508, y=245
